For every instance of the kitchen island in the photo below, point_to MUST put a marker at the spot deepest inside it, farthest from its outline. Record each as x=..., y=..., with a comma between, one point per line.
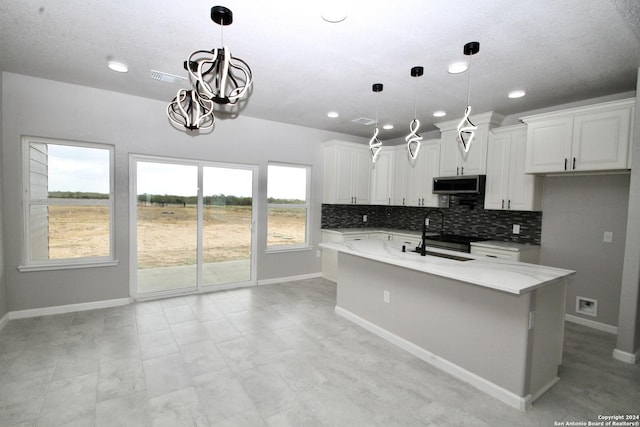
x=498, y=325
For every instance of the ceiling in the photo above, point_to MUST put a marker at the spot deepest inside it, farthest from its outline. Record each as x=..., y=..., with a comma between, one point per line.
x=303, y=67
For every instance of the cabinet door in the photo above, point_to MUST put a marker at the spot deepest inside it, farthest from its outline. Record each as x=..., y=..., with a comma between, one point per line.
x=497, y=171
x=474, y=162
x=522, y=192
x=400, y=176
x=431, y=169
x=600, y=140
x=449, y=154
x=382, y=178
x=361, y=176
x=344, y=159
x=549, y=145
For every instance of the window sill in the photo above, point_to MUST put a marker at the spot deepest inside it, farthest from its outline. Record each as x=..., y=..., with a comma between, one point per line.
x=280, y=249
x=66, y=266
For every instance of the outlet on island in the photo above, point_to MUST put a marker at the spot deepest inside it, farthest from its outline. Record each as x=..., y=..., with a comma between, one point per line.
x=386, y=297
x=516, y=228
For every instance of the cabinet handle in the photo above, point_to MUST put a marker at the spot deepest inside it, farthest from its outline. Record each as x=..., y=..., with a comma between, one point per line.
x=509, y=204
x=423, y=201
x=565, y=163
x=457, y=171
x=574, y=163
x=462, y=170
x=492, y=256
x=403, y=201
x=419, y=202
x=502, y=203
x=355, y=200
x=389, y=200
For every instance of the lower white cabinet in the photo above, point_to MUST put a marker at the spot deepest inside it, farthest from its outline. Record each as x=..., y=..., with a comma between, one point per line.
x=507, y=251
x=508, y=187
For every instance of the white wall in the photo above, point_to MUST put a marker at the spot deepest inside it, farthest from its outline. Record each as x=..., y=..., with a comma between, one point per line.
x=3, y=301
x=137, y=125
x=577, y=210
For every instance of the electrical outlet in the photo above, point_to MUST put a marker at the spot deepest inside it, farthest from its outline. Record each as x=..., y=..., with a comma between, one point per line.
x=516, y=228
x=386, y=297
x=607, y=237
x=318, y=253
x=364, y=218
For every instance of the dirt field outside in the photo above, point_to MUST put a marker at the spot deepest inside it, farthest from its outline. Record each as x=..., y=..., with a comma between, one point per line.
x=167, y=234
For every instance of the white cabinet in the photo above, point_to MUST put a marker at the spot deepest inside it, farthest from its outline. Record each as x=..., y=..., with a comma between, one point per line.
x=413, y=179
x=592, y=138
x=347, y=173
x=508, y=187
x=453, y=159
x=382, y=177
x=507, y=251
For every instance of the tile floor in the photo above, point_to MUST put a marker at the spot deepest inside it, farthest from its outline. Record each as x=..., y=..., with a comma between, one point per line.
x=273, y=355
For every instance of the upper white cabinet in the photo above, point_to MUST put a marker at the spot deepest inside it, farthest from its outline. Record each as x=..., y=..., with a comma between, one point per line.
x=508, y=187
x=453, y=159
x=382, y=177
x=592, y=138
x=413, y=179
x=347, y=173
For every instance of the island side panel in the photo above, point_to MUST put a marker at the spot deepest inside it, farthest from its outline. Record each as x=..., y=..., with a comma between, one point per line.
x=481, y=330
x=548, y=336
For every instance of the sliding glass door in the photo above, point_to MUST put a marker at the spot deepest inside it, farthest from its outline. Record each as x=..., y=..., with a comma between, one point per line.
x=193, y=225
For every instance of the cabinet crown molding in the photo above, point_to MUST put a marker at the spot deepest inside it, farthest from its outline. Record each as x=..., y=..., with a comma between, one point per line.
x=610, y=105
x=491, y=118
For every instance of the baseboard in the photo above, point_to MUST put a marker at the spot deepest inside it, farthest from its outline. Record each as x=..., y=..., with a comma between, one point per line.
x=69, y=308
x=289, y=279
x=591, y=324
x=623, y=356
x=492, y=389
x=4, y=320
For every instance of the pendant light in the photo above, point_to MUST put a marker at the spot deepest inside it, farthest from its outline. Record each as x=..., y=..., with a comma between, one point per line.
x=375, y=146
x=466, y=129
x=216, y=76
x=413, y=139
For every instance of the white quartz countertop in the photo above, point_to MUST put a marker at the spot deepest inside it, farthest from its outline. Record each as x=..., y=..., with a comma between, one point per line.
x=370, y=230
x=502, y=275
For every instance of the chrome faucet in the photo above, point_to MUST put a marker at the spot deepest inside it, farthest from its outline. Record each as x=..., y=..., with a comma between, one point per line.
x=425, y=224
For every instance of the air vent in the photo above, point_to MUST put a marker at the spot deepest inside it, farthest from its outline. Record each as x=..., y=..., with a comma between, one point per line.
x=166, y=77
x=364, y=121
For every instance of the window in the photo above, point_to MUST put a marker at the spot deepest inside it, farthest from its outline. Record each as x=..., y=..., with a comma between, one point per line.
x=288, y=206
x=68, y=204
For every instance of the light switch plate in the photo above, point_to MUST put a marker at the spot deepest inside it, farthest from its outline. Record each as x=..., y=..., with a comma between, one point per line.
x=607, y=237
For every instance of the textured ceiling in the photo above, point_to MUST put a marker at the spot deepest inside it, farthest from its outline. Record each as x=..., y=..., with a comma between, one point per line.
x=558, y=51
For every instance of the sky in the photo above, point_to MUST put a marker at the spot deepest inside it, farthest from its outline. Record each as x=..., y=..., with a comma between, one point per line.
x=86, y=169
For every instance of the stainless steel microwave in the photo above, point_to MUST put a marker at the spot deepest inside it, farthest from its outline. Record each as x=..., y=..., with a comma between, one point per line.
x=464, y=184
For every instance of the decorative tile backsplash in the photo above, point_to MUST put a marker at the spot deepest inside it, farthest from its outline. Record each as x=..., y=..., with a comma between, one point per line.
x=464, y=216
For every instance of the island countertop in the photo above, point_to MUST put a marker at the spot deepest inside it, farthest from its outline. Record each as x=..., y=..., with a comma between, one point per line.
x=507, y=276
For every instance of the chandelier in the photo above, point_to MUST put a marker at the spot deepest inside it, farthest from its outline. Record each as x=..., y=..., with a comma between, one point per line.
x=216, y=77
x=413, y=139
x=466, y=129
x=375, y=146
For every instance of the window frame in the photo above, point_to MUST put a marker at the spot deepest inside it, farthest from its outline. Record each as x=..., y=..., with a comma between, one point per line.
x=306, y=205
x=29, y=264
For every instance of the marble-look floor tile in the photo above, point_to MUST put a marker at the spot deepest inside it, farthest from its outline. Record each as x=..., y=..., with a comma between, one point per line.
x=224, y=396
x=20, y=401
x=202, y=357
x=177, y=409
x=221, y=330
x=69, y=400
x=166, y=374
x=132, y=410
x=189, y=332
x=151, y=322
x=178, y=314
x=120, y=377
x=157, y=344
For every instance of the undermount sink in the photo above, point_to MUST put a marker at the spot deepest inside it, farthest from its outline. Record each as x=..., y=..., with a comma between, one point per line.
x=448, y=256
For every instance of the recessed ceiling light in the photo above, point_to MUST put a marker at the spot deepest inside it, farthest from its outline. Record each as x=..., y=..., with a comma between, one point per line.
x=387, y=126
x=439, y=113
x=458, y=67
x=118, y=66
x=517, y=93
x=333, y=114
x=333, y=11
